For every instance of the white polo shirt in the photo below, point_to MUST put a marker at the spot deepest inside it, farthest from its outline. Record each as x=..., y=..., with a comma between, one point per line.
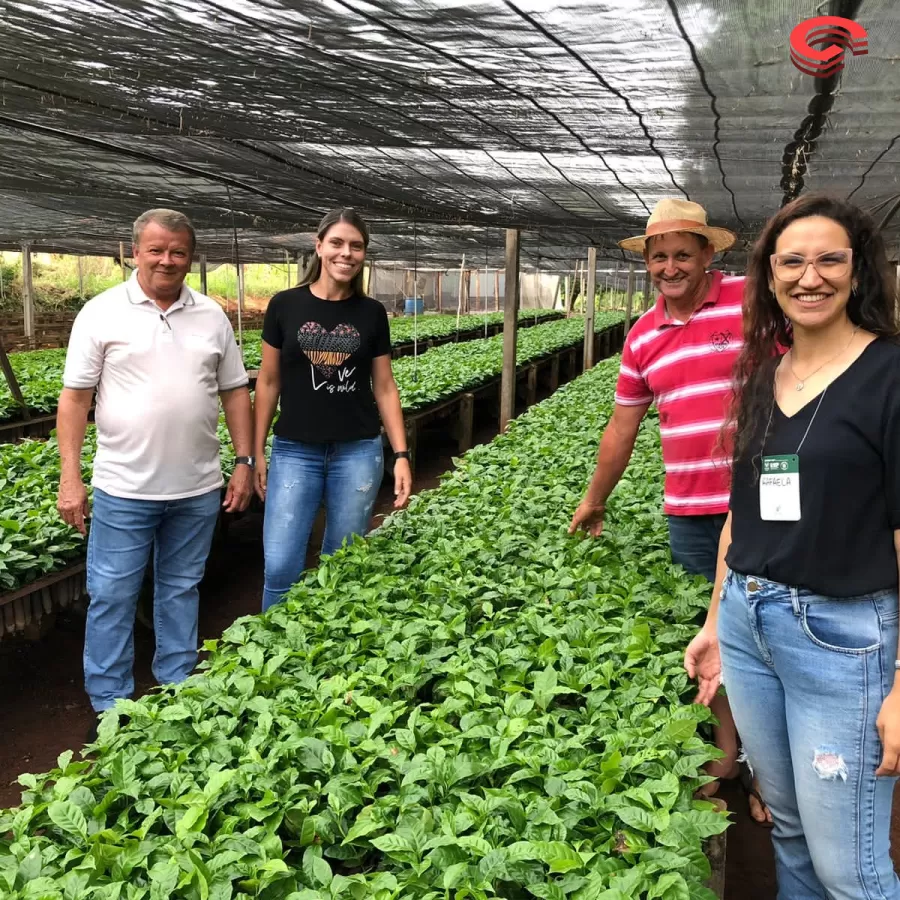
x=158, y=375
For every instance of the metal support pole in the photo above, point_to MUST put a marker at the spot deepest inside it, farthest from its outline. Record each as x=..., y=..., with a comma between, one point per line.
x=122, y=260
x=203, y=274
x=510, y=329
x=590, y=293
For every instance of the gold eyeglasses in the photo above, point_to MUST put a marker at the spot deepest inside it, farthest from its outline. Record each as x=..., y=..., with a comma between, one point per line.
x=829, y=264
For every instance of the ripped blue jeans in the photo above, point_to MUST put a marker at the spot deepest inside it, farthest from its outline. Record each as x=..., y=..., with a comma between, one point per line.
x=346, y=475
x=806, y=676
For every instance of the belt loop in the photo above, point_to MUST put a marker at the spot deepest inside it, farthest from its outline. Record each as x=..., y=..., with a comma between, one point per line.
x=795, y=601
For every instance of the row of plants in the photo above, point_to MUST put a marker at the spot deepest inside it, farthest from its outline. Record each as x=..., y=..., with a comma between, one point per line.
x=470, y=703
x=34, y=541
x=439, y=326
x=446, y=370
x=39, y=372
x=426, y=328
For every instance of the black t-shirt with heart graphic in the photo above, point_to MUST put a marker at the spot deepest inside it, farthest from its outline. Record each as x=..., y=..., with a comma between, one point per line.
x=327, y=348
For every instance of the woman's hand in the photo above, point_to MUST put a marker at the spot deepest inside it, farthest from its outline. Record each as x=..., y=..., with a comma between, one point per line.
x=888, y=724
x=402, y=482
x=702, y=661
x=259, y=477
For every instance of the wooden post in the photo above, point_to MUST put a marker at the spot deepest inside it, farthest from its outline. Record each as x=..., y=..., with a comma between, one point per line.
x=646, y=291
x=203, y=274
x=13, y=382
x=497, y=289
x=466, y=422
x=240, y=304
x=122, y=259
x=412, y=442
x=531, y=395
x=629, y=297
x=467, y=290
x=440, y=292
x=28, y=292
x=459, y=298
x=510, y=329
x=590, y=294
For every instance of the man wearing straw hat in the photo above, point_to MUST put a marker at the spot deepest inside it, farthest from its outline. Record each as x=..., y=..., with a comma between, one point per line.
x=680, y=356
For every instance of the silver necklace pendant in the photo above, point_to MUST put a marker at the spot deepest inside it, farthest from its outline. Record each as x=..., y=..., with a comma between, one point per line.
x=800, y=386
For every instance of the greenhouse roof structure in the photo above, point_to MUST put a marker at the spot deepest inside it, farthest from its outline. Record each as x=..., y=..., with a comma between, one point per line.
x=442, y=122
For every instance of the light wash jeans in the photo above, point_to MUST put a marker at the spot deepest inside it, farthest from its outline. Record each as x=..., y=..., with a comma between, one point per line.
x=346, y=474
x=123, y=533
x=806, y=676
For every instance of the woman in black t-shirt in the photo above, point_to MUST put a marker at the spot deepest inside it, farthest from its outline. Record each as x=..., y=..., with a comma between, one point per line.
x=804, y=610
x=326, y=353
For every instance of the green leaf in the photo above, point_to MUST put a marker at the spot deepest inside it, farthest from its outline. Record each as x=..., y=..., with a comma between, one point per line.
x=68, y=817
x=454, y=875
x=637, y=818
x=545, y=684
x=316, y=870
x=681, y=730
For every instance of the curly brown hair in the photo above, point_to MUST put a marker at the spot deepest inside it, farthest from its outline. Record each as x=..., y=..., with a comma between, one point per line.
x=767, y=331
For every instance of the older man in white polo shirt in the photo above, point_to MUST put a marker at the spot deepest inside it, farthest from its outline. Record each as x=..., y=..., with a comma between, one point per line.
x=160, y=356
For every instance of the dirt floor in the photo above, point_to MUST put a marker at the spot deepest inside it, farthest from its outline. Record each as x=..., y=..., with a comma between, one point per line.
x=44, y=710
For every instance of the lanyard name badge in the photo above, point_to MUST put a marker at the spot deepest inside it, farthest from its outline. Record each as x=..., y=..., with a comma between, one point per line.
x=779, y=481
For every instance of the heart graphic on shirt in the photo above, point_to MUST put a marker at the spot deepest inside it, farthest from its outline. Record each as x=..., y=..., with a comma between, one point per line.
x=327, y=350
x=720, y=340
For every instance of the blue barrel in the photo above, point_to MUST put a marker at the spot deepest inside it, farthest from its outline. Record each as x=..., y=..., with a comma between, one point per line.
x=414, y=306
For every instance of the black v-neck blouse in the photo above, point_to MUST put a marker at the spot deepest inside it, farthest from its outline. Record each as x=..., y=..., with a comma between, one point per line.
x=843, y=545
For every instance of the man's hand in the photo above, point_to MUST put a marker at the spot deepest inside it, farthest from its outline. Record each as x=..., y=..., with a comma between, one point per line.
x=240, y=489
x=402, y=482
x=702, y=661
x=588, y=516
x=888, y=724
x=259, y=477
x=72, y=503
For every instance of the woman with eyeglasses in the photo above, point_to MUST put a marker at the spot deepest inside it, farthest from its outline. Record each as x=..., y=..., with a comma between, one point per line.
x=804, y=614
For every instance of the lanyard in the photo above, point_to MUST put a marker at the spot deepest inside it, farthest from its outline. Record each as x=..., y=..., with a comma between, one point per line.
x=808, y=427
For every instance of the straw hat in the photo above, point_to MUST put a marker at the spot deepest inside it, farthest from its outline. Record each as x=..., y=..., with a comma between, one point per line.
x=680, y=215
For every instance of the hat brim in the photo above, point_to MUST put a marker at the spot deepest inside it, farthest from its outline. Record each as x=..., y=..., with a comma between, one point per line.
x=720, y=238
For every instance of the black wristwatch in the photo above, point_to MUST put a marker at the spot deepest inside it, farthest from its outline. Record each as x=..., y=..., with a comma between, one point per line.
x=401, y=454
x=246, y=461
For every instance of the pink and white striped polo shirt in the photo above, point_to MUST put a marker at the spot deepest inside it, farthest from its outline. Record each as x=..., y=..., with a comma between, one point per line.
x=686, y=369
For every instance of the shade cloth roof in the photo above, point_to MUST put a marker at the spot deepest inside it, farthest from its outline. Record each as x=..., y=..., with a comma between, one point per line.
x=442, y=120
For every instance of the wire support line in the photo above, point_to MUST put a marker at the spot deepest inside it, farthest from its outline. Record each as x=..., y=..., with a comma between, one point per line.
x=474, y=70
x=874, y=163
x=713, y=102
x=542, y=30
x=88, y=141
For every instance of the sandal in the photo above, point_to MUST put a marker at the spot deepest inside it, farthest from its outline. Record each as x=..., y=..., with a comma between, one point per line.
x=745, y=780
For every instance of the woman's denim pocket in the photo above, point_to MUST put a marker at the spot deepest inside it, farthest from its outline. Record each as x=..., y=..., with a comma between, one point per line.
x=844, y=626
x=726, y=583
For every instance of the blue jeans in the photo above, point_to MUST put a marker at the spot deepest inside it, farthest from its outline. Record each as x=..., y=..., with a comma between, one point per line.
x=345, y=474
x=694, y=541
x=806, y=676
x=123, y=532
